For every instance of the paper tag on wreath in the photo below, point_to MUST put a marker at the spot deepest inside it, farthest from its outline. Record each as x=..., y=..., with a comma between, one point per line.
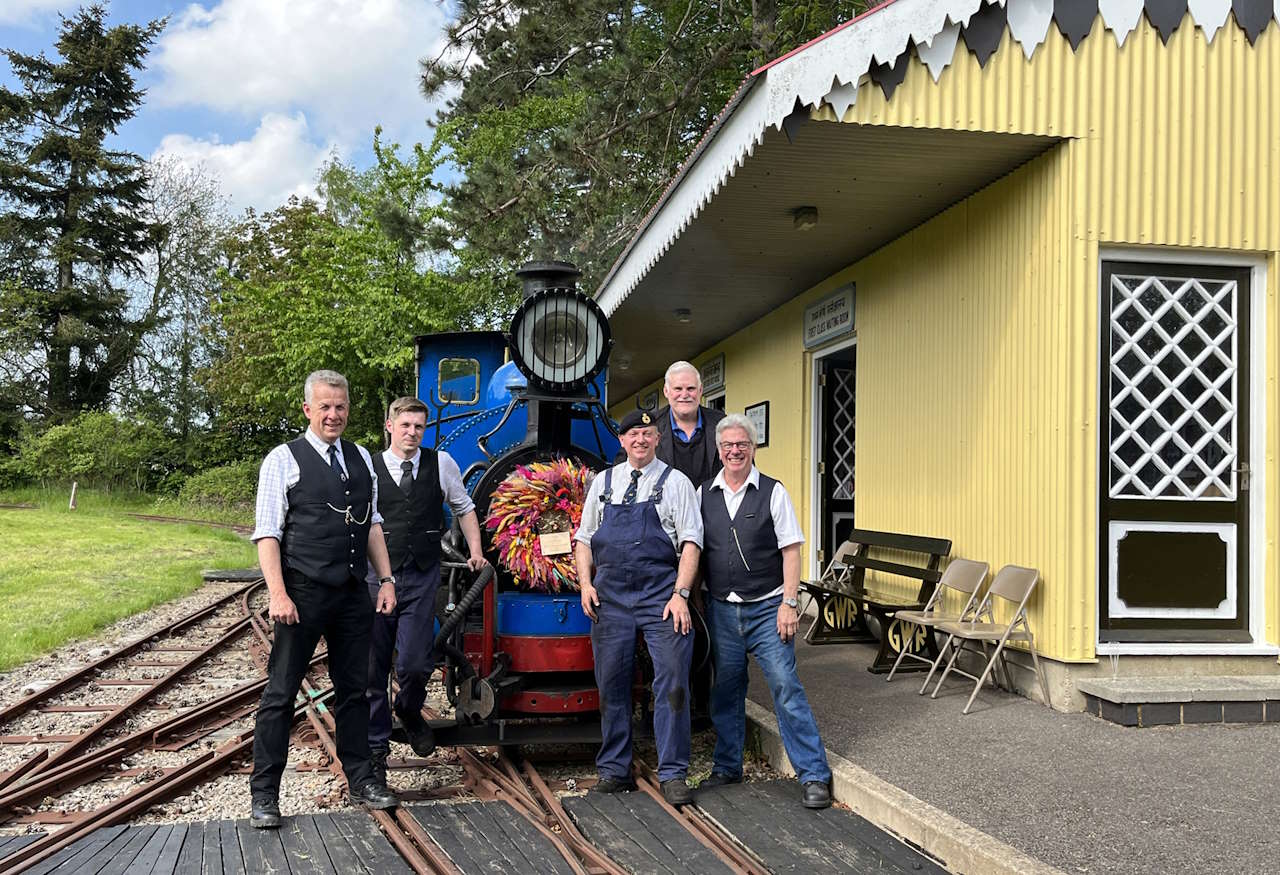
x=555, y=543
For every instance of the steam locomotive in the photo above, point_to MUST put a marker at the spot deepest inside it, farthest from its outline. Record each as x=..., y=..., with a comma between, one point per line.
x=518, y=664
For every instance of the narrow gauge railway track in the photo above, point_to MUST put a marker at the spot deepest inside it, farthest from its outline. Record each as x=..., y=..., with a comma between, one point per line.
x=492, y=777
x=66, y=763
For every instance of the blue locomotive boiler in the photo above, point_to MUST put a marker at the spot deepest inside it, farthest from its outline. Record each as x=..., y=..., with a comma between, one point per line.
x=499, y=402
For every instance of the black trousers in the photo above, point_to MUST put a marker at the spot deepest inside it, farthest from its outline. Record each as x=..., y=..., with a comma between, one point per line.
x=344, y=616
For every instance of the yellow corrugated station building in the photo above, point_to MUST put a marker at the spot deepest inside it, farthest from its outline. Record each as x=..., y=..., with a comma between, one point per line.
x=1056, y=235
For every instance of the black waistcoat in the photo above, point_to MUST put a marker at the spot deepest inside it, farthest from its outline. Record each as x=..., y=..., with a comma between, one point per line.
x=740, y=555
x=690, y=459
x=319, y=542
x=411, y=522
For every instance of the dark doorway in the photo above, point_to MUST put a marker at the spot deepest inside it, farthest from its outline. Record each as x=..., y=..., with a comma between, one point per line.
x=837, y=440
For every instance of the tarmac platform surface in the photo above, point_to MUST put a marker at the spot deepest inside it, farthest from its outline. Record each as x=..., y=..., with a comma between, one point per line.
x=1071, y=790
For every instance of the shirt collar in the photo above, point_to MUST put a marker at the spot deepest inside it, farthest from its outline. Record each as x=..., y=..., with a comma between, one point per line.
x=675, y=427
x=393, y=461
x=753, y=479
x=320, y=443
x=647, y=469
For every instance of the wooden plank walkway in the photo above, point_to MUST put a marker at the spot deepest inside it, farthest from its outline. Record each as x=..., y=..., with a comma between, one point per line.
x=635, y=831
x=767, y=817
x=342, y=843
x=489, y=837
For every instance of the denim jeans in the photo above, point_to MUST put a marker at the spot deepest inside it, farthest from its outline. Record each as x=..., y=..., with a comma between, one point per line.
x=738, y=629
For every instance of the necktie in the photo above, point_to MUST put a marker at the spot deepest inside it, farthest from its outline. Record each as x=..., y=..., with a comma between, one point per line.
x=406, y=475
x=335, y=464
x=629, y=497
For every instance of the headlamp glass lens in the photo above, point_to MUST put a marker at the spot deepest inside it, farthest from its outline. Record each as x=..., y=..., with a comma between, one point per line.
x=559, y=340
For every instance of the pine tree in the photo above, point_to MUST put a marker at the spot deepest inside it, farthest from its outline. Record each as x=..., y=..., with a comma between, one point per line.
x=71, y=216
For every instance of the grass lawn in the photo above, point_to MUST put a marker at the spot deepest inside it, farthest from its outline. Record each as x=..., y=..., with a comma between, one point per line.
x=65, y=574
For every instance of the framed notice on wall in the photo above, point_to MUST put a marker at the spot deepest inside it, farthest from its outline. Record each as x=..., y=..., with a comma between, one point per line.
x=759, y=416
x=713, y=374
x=829, y=318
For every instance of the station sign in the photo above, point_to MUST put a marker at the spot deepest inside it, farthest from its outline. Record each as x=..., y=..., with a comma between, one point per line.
x=829, y=318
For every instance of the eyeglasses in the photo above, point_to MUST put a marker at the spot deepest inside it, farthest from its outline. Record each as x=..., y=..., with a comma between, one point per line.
x=728, y=446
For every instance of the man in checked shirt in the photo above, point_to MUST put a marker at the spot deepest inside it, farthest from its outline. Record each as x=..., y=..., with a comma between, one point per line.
x=317, y=525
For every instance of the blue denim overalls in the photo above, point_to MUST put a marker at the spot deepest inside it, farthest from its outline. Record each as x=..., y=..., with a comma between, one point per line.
x=635, y=577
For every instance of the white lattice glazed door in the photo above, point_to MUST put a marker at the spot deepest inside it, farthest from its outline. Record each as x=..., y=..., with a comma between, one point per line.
x=1174, y=467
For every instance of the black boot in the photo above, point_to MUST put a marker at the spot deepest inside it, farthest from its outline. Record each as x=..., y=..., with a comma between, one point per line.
x=378, y=762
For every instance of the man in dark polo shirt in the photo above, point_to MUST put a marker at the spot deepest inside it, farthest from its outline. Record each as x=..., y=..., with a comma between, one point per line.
x=751, y=569
x=317, y=526
x=686, y=429
x=413, y=484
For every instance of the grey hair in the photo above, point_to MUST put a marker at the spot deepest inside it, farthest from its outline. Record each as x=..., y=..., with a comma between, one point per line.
x=326, y=378
x=737, y=420
x=677, y=367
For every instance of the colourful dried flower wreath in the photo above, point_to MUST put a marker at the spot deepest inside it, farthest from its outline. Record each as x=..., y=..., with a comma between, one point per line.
x=536, y=499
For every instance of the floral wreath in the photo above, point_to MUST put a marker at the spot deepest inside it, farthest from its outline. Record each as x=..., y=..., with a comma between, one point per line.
x=537, y=499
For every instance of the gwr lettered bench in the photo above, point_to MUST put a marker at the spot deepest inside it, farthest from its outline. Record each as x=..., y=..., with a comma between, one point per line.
x=844, y=599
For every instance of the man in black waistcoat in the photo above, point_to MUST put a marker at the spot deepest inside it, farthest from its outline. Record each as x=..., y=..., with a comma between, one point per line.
x=751, y=566
x=413, y=483
x=686, y=429
x=317, y=526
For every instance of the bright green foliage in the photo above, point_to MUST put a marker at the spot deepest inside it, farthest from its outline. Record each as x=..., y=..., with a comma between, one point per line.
x=574, y=115
x=345, y=288
x=66, y=574
x=97, y=449
x=231, y=486
x=70, y=217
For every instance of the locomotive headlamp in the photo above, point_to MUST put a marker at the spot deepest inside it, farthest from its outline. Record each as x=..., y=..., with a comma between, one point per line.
x=560, y=339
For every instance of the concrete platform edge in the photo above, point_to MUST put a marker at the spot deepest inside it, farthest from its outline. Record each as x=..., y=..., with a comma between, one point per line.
x=956, y=845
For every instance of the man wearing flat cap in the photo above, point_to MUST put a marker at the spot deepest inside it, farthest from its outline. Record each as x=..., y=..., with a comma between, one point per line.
x=637, y=554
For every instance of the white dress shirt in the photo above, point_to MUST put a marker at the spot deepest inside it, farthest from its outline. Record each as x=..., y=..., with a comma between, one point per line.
x=785, y=524
x=450, y=478
x=679, y=511
x=280, y=472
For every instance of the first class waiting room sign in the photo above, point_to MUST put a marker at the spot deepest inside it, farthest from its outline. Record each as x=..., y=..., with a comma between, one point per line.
x=829, y=318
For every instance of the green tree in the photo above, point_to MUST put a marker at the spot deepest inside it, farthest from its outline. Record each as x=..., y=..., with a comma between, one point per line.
x=346, y=287
x=180, y=271
x=568, y=118
x=70, y=216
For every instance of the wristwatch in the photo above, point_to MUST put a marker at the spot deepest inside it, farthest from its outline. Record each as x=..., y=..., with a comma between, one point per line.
x=390, y=580
x=682, y=592
x=794, y=604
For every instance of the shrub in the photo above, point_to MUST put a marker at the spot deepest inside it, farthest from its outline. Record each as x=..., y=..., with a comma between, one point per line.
x=99, y=449
x=227, y=486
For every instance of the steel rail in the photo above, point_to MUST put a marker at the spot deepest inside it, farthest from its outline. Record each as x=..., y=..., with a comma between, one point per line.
x=161, y=684
x=23, y=705
x=723, y=845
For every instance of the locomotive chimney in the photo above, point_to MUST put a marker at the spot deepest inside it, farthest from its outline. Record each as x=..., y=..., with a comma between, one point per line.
x=539, y=275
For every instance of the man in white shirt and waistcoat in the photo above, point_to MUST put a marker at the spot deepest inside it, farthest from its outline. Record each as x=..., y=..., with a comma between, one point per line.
x=413, y=484
x=751, y=570
x=317, y=527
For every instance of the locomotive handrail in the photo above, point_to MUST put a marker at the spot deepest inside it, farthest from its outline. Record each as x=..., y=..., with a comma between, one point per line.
x=482, y=442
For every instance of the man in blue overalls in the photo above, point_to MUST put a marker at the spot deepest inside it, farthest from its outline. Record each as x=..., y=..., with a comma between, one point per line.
x=637, y=555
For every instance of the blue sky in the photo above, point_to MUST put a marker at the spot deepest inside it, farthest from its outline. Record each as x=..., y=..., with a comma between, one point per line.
x=261, y=92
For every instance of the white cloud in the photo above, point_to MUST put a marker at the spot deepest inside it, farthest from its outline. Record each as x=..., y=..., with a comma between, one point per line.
x=24, y=11
x=279, y=160
x=348, y=64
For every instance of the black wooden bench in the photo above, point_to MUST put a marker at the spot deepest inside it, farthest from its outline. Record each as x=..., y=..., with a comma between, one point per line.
x=844, y=599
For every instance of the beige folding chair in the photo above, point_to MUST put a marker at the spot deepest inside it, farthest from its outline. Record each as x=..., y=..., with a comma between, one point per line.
x=1013, y=584
x=963, y=576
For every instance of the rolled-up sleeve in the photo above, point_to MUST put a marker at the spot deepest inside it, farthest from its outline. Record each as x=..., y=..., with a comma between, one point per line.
x=590, y=511
x=686, y=512
x=785, y=523
x=272, y=502
x=455, y=492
